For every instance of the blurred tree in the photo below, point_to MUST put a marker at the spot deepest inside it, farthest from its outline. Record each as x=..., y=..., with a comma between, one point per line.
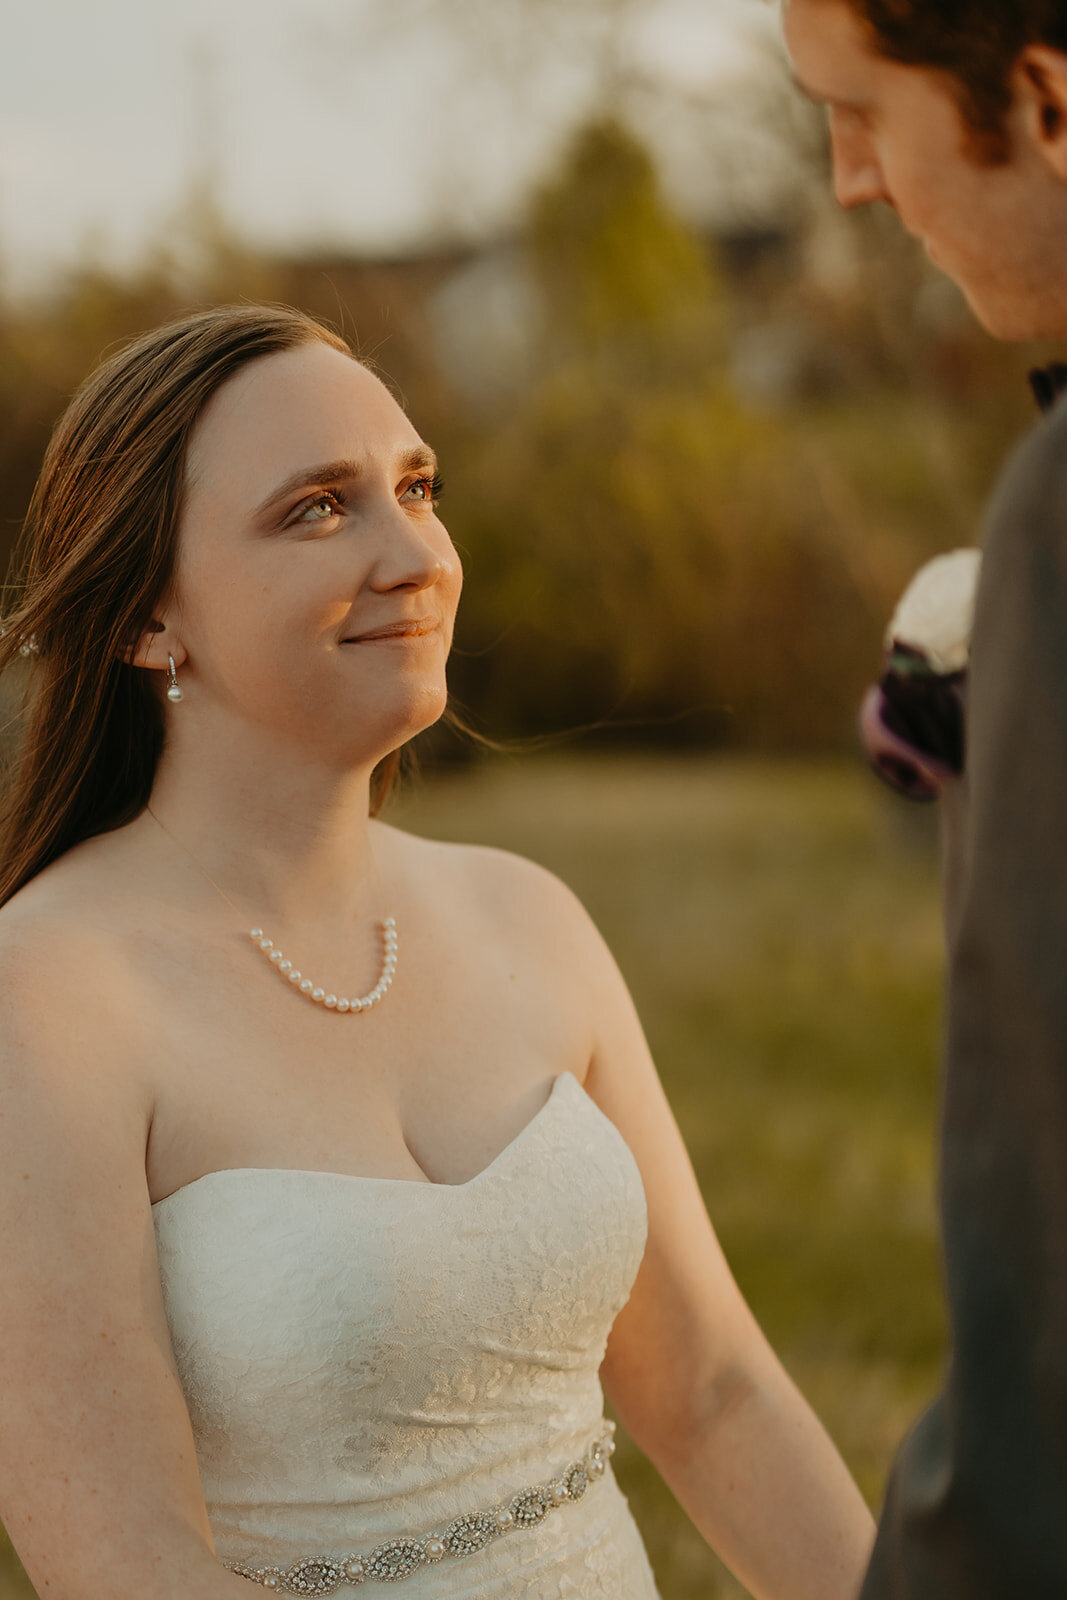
x=623, y=516
x=618, y=271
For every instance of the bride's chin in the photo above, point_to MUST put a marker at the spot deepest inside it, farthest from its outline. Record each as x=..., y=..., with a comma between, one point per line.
x=369, y=743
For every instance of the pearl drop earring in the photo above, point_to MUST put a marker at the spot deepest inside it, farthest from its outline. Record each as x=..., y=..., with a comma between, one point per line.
x=174, y=688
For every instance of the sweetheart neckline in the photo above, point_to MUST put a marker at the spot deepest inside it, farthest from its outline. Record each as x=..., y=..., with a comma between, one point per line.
x=357, y=1177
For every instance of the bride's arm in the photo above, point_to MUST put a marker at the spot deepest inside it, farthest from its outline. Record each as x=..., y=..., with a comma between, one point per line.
x=99, y=1486
x=687, y=1368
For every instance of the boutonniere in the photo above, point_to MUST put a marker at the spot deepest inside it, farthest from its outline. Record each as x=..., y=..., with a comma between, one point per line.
x=912, y=722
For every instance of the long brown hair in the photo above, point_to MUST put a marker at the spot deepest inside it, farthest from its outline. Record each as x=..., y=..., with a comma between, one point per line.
x=96, y=556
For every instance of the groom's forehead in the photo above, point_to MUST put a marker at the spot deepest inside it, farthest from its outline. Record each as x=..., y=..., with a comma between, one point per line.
x=831, y=51
x=973, y=39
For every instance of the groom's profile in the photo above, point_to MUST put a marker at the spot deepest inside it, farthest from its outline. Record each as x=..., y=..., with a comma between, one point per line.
x=954, y=112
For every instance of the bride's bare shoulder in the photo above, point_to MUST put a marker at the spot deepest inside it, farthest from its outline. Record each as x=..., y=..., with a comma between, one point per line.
x=75, y=1075
x=502, y=885
x=59, y=957
x=75, y=1057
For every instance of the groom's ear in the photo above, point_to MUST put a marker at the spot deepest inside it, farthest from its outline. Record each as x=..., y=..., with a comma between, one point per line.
x=1040, y=84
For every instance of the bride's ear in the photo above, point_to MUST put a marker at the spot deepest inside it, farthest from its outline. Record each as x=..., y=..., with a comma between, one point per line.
x=153, y=648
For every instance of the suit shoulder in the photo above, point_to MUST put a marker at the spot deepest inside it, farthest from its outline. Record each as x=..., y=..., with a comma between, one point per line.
x=1034, y=479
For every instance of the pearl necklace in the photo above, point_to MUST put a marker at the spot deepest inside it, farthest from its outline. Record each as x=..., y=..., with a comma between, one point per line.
x=284, y=967
x=315, y=991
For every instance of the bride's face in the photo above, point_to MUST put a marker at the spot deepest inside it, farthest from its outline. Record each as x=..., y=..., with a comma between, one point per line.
x=308, y=526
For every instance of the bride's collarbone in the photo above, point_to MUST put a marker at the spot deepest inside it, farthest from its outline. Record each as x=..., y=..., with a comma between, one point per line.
x=245, y=1072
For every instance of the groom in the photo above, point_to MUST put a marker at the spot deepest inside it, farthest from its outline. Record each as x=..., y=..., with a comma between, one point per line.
x=954, y=112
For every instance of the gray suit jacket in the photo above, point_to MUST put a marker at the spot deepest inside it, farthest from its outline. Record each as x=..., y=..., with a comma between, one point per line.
x=977, y=1501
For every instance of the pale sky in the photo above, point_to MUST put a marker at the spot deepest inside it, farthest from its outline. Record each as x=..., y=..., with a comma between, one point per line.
x=323, y=131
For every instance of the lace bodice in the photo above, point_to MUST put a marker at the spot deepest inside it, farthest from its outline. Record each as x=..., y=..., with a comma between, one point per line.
x=365, y=1358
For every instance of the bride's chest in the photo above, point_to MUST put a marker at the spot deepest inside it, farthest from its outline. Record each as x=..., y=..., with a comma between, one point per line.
x=429, y=1085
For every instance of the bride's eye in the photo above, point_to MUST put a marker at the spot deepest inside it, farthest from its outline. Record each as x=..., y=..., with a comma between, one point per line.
x=426, y=490
x=332, y=500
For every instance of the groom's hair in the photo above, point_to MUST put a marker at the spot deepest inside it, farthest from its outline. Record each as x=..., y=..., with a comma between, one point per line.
x=976, y=43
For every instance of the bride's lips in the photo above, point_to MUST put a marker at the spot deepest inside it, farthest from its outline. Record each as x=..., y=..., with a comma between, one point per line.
x=413, y=628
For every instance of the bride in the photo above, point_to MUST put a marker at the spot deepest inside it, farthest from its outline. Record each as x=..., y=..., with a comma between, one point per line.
x=335, y=1175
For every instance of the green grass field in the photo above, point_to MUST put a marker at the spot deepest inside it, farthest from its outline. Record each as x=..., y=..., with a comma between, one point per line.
x=778, y=924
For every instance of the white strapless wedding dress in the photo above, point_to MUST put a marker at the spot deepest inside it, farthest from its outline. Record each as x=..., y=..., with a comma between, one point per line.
x=370, y=1359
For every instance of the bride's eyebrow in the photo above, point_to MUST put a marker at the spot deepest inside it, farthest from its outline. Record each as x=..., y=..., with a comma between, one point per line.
x=420, y=458
x=328, y=472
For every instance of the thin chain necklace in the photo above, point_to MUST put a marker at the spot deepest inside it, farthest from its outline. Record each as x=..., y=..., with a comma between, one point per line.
x=292, y=975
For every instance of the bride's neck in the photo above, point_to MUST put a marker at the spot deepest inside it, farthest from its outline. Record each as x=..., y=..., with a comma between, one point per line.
x=294, y=842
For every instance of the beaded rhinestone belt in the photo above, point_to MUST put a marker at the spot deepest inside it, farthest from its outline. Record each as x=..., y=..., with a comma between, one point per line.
x=398, y=1558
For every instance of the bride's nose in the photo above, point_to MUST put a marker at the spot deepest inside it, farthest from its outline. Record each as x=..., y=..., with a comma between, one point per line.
x=407, y=556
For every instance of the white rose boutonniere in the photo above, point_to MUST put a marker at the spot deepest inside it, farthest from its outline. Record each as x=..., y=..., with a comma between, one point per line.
x=935, y=614
x=912, y=722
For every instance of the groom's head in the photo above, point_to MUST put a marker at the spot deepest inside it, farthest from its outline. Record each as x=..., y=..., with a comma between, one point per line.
x=954, y=112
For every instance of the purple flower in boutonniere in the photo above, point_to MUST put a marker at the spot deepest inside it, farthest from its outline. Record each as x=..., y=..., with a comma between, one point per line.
x=912, y=722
